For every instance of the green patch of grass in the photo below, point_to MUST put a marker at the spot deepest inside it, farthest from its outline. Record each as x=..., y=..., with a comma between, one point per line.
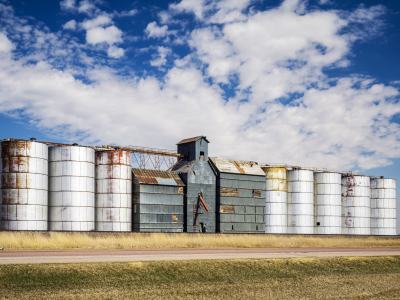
x=375, y=277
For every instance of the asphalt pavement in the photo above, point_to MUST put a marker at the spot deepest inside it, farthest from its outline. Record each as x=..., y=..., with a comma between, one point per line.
x=91, y=256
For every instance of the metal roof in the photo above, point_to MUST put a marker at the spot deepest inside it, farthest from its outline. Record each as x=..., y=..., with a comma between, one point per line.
x=237, y=166
x=193, y=139
x=157, y=177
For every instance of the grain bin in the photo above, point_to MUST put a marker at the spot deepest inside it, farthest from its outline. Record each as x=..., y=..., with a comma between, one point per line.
x=356, y=211
x=300, y=201
x=24, y=185
x=113, y=190
x=157, y=201
x=276, y=199
x=383, y=206
x=71, y=188
x=196, y=173
x=328, y=202
x=240, y=196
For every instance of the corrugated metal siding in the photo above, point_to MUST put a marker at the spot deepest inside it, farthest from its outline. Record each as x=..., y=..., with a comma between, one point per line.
x=157, y=207
x=240, y=196
x=198, y=177
x=157, y=177
x=237, y=166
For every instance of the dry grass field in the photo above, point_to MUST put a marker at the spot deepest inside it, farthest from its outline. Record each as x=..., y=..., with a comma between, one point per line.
x=59, y=240
x=334, y=278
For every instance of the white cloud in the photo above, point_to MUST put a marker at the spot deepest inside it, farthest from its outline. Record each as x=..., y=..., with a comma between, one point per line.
x=115, y=52
x=109, y=35
x=5, y=44
x=68, y=4
x=196, y=7
x=99, y=21
x=229, y=11
x=86, y=6
x=153, y=30
x=161, y=58
x=100, y=30
x=342, y=126
x=273, y=56
x=71, y=25
x=285, y=55
x=126, y=13
x=222, y=11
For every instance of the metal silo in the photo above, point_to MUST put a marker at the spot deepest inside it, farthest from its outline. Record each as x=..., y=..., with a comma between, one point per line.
x=383, y=206
x=300, y=201
x=240, y=196
x=328, y=202
x=71, y=188
x=24, y=184
x=276, y=199
x=113, y=190
x=356, y=211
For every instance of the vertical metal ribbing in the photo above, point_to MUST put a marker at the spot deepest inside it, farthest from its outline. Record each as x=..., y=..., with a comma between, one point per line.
x=71, y=188
x=24, y=185
x=383, y=206
x=356, y=211
x=300, y=201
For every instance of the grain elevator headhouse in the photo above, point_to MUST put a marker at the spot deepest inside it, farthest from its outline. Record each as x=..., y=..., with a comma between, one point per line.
x=194, y=169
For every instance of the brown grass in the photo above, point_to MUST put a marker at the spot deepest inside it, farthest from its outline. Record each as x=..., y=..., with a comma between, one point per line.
x=311, y=278
x=58, y=240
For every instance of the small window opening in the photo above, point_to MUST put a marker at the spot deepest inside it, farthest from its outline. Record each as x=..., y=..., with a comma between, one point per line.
x=201, y=155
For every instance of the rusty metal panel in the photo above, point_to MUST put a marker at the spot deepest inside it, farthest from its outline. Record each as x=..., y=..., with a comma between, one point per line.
x=229, y=192
x=356, y=204
x=24, y=185
x=276, y=200
x=71, y=188
x=227, y=209
x=240, y=196
x=198, y=177
x=159, y=177
x=237, y=166
x=257, y=193
x=157, y=208
x=113, y=190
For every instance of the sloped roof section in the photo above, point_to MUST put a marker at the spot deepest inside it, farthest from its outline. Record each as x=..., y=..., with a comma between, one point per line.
x=193, y=139
x=237, y=166
x=183, y=166
x=157, y=177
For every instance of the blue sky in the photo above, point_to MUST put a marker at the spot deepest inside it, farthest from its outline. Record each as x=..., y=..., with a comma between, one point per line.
x=312, y=83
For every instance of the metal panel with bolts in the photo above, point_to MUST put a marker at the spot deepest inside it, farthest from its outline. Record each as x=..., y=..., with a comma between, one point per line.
x=71, y=188
x=24, y=185
x=113, y=190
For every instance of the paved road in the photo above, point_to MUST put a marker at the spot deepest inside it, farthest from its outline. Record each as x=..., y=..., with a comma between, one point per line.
x=80, y=256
